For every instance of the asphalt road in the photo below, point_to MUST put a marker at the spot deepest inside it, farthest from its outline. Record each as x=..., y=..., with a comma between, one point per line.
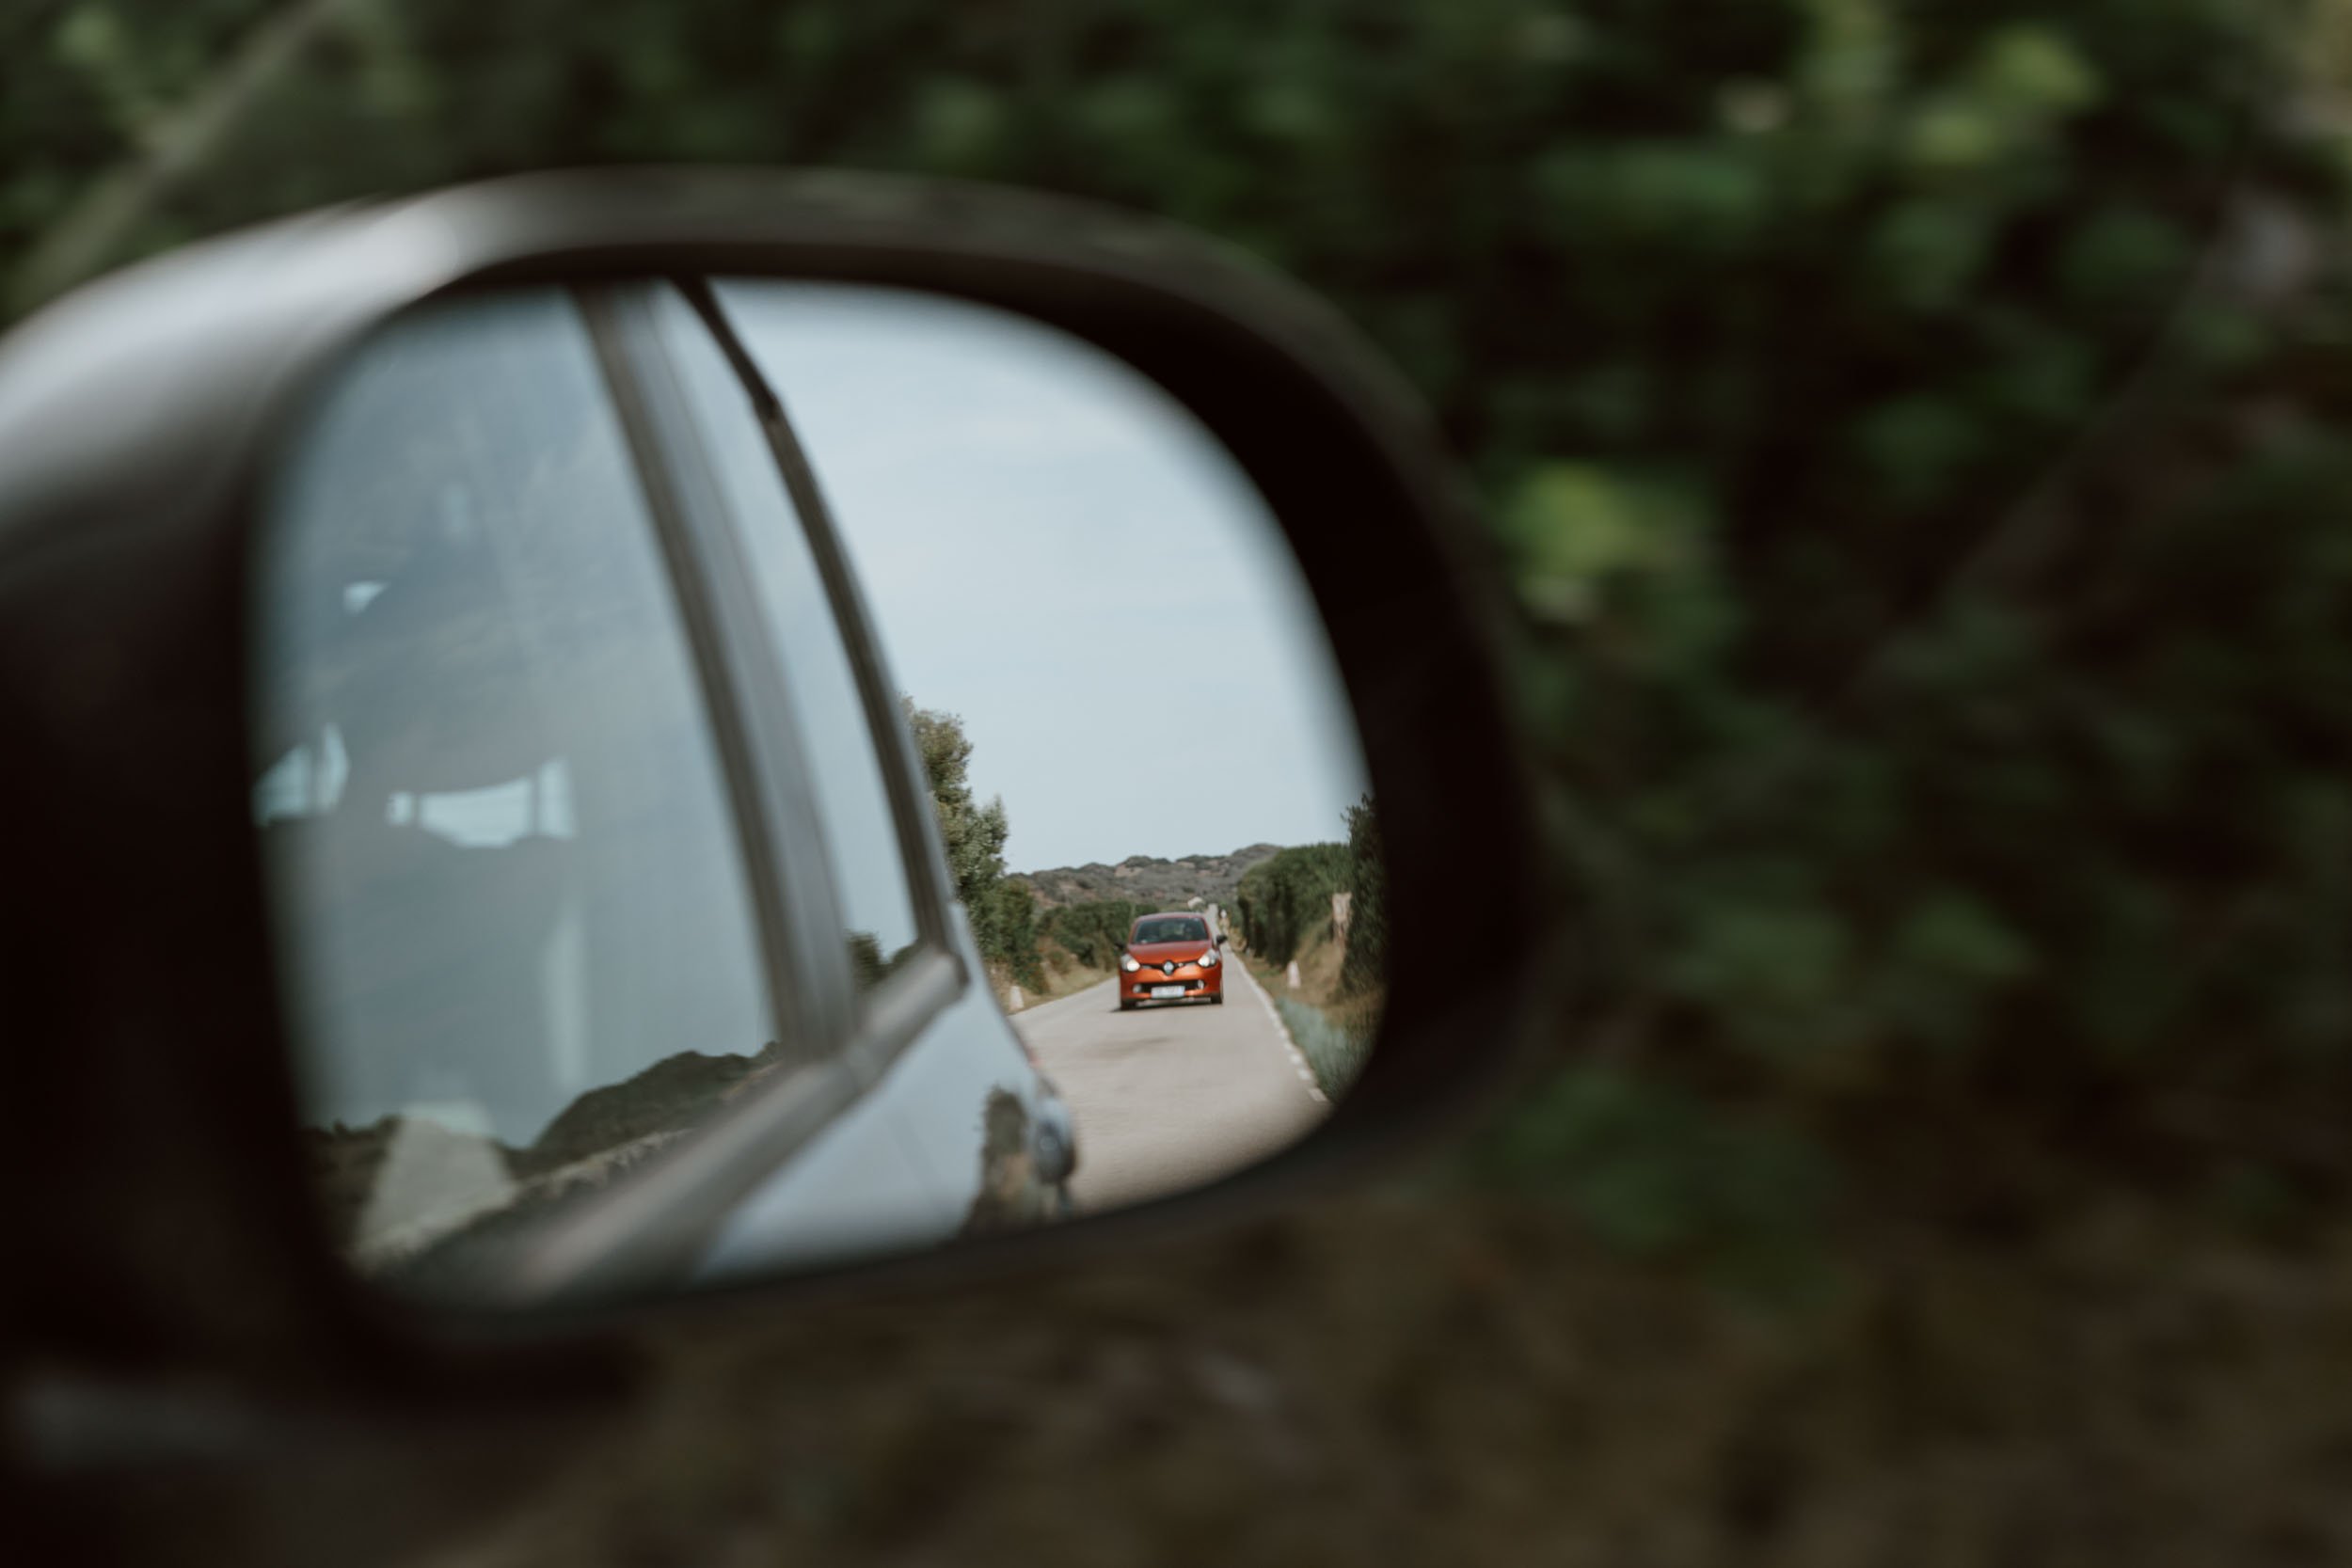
x=1171, y=1097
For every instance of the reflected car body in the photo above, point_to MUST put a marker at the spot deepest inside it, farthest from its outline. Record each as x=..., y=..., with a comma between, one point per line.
x=897, y=1171
x=1170, y=956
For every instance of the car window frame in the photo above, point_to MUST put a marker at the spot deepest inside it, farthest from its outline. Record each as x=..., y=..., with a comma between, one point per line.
x=913, y=814
x=780, y=978
x=654, y=1227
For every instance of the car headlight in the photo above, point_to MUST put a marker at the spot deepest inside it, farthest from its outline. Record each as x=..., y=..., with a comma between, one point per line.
x=1127, y=962
x=1208, y=959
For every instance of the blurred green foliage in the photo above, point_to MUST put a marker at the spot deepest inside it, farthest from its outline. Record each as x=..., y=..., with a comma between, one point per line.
x=1913, y=431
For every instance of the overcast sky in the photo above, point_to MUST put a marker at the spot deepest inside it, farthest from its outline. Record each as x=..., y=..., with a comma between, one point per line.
x=1059, y=554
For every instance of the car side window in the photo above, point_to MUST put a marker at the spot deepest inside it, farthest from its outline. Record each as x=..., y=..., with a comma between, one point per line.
x=509, y=892
x=838, y=744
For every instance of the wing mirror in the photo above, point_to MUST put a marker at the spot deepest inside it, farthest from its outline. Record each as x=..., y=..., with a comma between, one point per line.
x=636, y=824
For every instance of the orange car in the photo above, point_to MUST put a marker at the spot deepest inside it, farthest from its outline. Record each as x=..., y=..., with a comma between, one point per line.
x=1170, y=956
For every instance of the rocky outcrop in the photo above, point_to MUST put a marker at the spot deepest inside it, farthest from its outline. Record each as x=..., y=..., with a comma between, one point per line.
x=1169, y=884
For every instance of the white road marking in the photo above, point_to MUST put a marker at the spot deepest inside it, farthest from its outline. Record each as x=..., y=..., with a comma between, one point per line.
x=1298, y=1059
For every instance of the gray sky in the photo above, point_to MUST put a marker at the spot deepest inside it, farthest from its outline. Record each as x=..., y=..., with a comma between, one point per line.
x=1059, y=553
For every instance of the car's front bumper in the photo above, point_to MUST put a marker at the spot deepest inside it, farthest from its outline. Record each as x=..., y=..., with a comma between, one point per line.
x=1199, y=984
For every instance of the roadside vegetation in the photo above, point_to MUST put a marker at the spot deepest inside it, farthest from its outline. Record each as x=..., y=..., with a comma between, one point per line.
x=1002, y=909
x=1092, y=932
x=1284, y=900
x=1288, y=913
x=1064, y=971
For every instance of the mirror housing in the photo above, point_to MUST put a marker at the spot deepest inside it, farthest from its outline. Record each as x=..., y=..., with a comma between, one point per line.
x=139, y=418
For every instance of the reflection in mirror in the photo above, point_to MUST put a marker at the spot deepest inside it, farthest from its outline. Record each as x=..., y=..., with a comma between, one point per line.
x=1131, y=724
x=511, y=902
x=890, y=787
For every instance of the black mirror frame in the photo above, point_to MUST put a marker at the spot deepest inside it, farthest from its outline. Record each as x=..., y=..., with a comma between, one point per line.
x=135, y=626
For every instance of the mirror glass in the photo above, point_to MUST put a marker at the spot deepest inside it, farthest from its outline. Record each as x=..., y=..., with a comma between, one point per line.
x=757, y=774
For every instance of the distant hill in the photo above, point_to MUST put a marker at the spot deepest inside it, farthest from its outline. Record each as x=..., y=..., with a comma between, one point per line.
x=1167, y=884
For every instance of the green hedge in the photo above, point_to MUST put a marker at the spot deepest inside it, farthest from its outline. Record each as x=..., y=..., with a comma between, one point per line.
x=1365, y=967
x=1092, y=932
x=1005, y=926
x=1284, y=898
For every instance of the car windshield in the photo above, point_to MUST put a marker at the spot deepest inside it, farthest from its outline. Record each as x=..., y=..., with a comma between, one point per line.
x=1176, y=928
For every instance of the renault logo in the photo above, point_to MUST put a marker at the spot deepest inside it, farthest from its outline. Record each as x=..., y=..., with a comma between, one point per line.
x=1168, y=967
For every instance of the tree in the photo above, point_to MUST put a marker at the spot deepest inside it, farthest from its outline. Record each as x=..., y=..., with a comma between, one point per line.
x=973, y=833
x=1003, y=910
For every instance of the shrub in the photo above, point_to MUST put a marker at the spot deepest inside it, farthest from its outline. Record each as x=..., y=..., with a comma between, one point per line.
x=1286, y=897
x=1091, y=932
x=1004, y=923
x=1365, y=968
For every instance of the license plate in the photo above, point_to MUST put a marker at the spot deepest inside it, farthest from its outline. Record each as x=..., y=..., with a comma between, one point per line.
x=1167, y=993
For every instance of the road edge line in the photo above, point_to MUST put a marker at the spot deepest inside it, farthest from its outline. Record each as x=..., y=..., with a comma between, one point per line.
x=1298, y=1058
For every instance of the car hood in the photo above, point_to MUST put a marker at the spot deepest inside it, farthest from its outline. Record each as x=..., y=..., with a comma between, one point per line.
x=1159, y=952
